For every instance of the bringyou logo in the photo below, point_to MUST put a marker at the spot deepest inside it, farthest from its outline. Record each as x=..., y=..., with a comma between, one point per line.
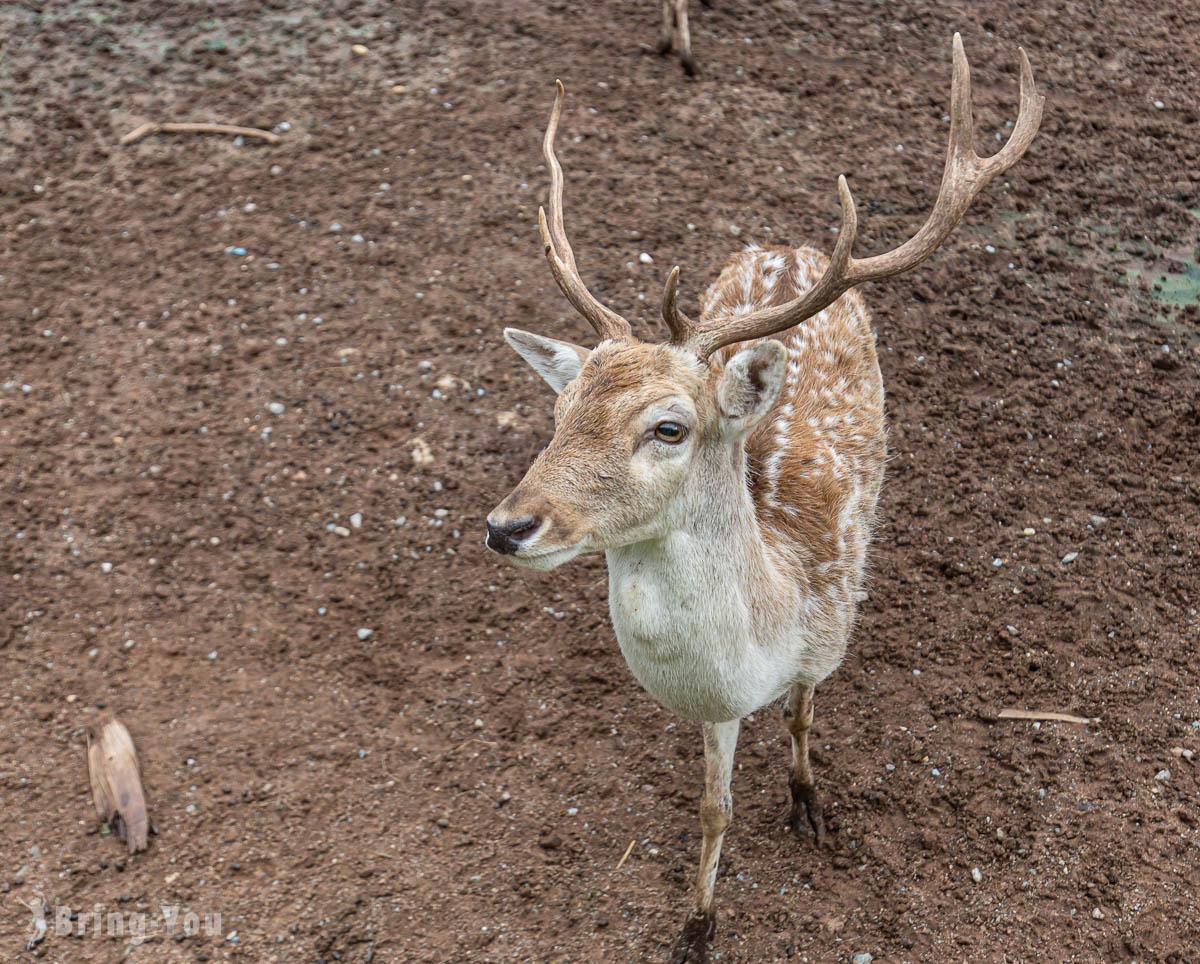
x=64, y=921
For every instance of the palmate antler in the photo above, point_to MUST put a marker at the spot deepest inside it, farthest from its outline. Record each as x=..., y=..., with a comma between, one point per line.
x=964, y=177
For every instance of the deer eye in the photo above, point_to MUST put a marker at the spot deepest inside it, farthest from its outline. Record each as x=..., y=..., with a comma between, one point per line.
x=669, y=432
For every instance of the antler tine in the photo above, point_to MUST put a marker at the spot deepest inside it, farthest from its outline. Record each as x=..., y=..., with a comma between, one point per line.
x=681, y=326
x=608, y=323
x=965, y=175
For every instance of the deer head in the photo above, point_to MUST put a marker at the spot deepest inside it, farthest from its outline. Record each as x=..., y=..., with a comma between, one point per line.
x=635, y=421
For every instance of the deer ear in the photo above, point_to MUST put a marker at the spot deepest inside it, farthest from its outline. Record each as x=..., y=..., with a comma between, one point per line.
x=749, y=386
x=558, y=362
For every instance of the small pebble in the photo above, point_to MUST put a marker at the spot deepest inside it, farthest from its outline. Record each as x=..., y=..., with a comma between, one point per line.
x=1163, y=776
x=276, y=408
x=1070, y=557
x=1029, y=531
x=1159, y=105
x=106, y=567
x=356, y=520
x=399, y=89
x=365, y=634
x=977, y=875
x=1096, y=521
x=1098, y=914
x=644, y=258
x=478, y=724
x=862, y=959
x=359, y=50
x=212, y=655
x=341, y=531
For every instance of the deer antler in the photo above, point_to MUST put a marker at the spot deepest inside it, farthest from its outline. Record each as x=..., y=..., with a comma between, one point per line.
x=608, y=323
x=964, y=177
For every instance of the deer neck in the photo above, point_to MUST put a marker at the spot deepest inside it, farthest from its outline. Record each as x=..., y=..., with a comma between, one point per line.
x=711, y=532
x=703, y=616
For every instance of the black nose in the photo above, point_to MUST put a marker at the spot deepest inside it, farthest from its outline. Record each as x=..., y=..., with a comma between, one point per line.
x=506, y=539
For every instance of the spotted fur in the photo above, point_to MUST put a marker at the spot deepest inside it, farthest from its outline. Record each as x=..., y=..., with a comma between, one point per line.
x=815, y=464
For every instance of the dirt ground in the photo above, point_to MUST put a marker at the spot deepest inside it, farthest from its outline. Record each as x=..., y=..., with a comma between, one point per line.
x=254, y=406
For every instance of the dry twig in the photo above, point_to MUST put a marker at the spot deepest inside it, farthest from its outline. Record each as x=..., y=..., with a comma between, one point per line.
x=147, y=129
x=625, y=856
x=473, y=739
x=1041, y=715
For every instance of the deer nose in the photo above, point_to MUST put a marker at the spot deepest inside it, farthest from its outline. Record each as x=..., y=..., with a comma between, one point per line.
x=507, y=538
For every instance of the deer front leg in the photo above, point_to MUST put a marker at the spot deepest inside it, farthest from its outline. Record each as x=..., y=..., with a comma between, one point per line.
x=716, y=813
x=805, y=802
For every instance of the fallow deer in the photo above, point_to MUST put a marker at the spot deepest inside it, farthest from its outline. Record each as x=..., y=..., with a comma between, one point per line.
x=730, y=477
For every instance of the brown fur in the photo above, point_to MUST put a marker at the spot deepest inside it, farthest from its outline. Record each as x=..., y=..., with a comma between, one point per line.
x=814, y=486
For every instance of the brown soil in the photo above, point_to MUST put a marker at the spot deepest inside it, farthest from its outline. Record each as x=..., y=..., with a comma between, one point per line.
x=461, y=785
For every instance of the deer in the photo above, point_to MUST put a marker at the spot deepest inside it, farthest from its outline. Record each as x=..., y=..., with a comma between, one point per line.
x=675, y=33
x=731, y=474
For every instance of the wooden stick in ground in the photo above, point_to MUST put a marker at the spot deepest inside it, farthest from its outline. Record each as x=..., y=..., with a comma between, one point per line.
x=147, y=129
x=628, y=851
x=117, y=782
x=1041, y=715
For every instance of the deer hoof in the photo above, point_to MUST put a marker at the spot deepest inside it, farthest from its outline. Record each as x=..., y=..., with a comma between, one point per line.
x=806, y=809
x=689, y=65
x=692, y=946
x=663, y=47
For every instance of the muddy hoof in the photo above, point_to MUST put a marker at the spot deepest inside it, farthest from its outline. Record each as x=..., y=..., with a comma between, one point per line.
x=692, y=946
x=806, y=813
x=689, y=65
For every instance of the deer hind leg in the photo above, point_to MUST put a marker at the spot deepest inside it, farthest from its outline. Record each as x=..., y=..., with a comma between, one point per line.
x=683, y=40
x=716, y=813
x=667, y=33
x=805, y=802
